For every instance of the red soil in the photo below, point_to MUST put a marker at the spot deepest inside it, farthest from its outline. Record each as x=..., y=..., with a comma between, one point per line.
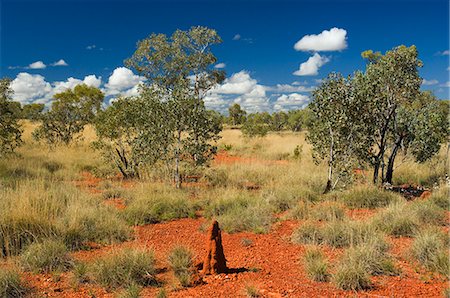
x=270, y=262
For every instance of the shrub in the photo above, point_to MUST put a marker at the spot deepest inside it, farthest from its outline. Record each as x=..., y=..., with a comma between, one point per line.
x=350, y=277
x=316, y=265
x=328, y=211
x=46, y=256
x=307, y=233
x=180, y=261
x=11, y=285
x=131, y=291
x=238, y=213
x=80, y=272
x=158, y=206
x=112, y=193
x=281, y=200
x=52, y=166
x=397, y=220
x=369, y=197
x=125, y=267
x=430, y=250
x=216, y=177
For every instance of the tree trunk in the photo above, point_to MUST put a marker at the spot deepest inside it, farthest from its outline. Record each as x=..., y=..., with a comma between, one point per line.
x=390, y=166
x=328, y=187
x=177, y=162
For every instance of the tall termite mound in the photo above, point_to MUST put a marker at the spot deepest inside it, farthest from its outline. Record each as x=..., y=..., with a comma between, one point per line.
x=214, y=261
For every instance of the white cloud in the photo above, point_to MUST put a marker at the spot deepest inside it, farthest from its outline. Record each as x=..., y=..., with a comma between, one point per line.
x=429, y=82
x=311, y=66
x=60, y=62
x=122, y=81
x=237, y=37
x=291, y=101
x=71, y=83
x=443, y=53
x=91, y=47
x=446, y=84
x=238, y=83
x=294, y=87
x=37, y=65
x=334, y=39
x=31, y=88
x=220, y=65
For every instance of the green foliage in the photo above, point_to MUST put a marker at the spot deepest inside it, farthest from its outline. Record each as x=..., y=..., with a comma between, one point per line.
x=316, y=265
x=237, y=114
x=131, y=291
x=397, y=220
x=256, y=125
x=299, y=119
x=278, y=121
x=10, y=131
x=180, y=261
x=124, y=268
x=32, y=111
x=368, y=197
x=47, y=256
x=11, y=285
x=71, y=111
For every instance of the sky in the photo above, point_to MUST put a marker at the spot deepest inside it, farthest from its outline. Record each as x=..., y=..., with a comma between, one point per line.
x=274, y=52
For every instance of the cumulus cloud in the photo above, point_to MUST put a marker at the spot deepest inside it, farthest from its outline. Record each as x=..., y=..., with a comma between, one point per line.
x=429, y=82
x=236, y=37
x=291, y=101
x=122, y=81
x=30, y=88
x=334, y=39
x=91, y=47
x=60, y=62
x=311, y=66
x=70, y=83
x=238, y=83
x=37, y=65
x=294, y=87
x=220, y=65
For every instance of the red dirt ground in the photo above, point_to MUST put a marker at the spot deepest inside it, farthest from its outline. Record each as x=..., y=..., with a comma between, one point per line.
x=271, y=262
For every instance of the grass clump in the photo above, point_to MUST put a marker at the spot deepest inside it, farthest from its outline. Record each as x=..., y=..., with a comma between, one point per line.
x=430, y=250
x=307, y=233
x=241, y=212
x=315, y=265
x=328, y=211
x=369, y=197
x=47, y=256
x=11, y=285
x=397, y=220
x=125, y=268
x=156, y=205
x=350, y=277
x=427, y=212
x=252, y=291
x=180, y=261
x=441, y=197
x=300, y=211
x=131, y=291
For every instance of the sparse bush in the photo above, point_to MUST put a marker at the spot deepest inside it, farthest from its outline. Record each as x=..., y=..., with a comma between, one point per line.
x=180, y=261
x=349, y=277
x=131, y=291
x=308, y=233
x=80, y=272
x=112, y=193
x=159, y=205
x=47, y=256
x=52, y=166
x=397, y=220
x=125, y=267
x=11, y=285
x=430, y=250
x=216, y=177
x=316, y=265
x=369, y=197
x=328, y=211
x=280, y=199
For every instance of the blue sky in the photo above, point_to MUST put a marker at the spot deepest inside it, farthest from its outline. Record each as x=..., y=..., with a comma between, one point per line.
x=94, y=37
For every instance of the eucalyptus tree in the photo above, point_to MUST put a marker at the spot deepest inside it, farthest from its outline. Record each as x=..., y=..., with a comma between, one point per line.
x=70, y=111
x=338, y=131
x=181, y=68
x=390, y=82
x=236, y=114
x=10, y=130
